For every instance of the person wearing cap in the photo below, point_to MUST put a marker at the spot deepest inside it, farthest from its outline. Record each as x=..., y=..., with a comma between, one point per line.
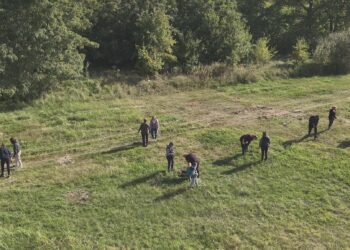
x=169, y=153
x=332, y=116
x=16, y=152
x=154, y=127
x=5, y=157
x=313, y=122
x=144, y=128
x=245, y=141
x=264, y=145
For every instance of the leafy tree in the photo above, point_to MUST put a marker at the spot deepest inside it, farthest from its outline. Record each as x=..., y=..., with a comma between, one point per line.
x=262, y=52
x=284, y=21
x=215, y=28
x=301, y=51
x=154, y=41
x=39, y=45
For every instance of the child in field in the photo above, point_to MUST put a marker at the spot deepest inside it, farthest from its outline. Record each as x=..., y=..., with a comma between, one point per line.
x=193, y=169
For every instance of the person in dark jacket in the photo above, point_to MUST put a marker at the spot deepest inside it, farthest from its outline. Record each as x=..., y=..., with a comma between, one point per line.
x=245, y=141
x=144, y=128
x=193, y=162
x=5, y=157
x=16, y=152
x=170, y=156
x=313, y=122
x=264, y=145
x=332, y=116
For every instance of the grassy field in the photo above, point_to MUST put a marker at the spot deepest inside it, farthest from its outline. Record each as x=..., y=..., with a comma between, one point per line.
x=87, y=184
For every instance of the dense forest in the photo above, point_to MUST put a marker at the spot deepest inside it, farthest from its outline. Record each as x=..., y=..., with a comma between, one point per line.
x=43, y=42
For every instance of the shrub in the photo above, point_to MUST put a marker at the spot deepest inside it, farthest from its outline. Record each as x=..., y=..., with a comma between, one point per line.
x=301, y=51
x=262, y=52
x=333, y=52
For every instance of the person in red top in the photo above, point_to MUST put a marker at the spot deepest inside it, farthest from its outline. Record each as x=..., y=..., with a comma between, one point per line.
x=245, y=141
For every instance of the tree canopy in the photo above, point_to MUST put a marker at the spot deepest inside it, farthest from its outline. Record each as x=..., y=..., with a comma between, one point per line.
x=43, y=42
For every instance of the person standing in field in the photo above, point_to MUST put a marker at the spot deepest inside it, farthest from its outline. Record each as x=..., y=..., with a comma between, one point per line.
x=264, y=145
x=154, y=126
x=144, y=128
x=313, y=122
x=16, y=152
x=332, y=116
x=5, y=157
x=245, y=141
x=170, y=156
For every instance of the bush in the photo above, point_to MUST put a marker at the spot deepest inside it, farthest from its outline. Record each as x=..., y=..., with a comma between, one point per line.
x=301, y=51
x=262, y=52
x=333, y=53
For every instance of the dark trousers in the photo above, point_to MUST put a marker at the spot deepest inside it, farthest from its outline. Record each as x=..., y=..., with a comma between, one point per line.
x=154, y=132
x=330, y=123
x=170, y=159
x=264, y=151
x=315, y=130
x=244, y=148
x=3, y=162
x=144, y=139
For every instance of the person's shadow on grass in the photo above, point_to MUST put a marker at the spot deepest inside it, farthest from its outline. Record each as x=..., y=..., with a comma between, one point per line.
x=289, y=143
x=122, y=148
x=344, y=144
x=141, y=179
x=172, y=181
x=226, y=161
x=241, y=168
x=171, y=195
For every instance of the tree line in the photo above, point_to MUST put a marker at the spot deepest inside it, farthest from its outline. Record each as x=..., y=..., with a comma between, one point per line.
x=43, y=42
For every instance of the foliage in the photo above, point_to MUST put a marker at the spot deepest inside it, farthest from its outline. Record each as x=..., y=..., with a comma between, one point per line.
x=154, y=41
x=301, y=52
x=215, y=32
x=334, y=52
x=284, y=21
x=262, y=52
x=40, y=45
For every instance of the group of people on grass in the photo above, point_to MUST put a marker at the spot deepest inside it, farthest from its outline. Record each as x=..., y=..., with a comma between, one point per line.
x=192, y=171
x=6, y=157
x=152, y=128
x=313, y=121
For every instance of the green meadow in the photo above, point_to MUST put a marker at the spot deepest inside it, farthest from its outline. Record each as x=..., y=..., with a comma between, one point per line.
x=88, y=184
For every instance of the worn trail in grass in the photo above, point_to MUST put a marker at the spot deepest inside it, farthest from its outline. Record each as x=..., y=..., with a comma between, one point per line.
x=113, y=193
